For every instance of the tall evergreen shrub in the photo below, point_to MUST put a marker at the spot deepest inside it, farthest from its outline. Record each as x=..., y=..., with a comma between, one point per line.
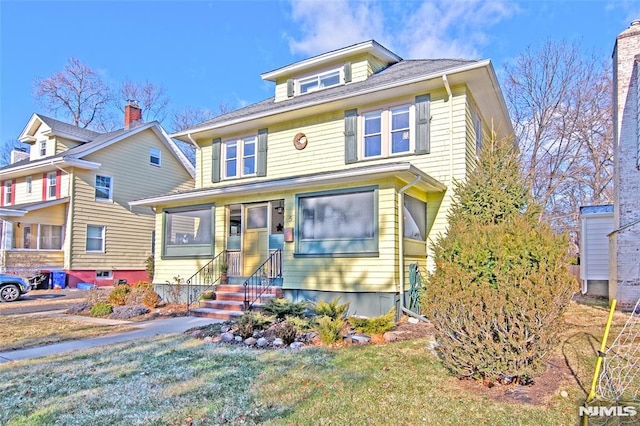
x=501, y=284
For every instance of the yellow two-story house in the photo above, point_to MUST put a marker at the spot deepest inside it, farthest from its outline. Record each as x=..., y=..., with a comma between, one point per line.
x=64, y=204
x=336, y=185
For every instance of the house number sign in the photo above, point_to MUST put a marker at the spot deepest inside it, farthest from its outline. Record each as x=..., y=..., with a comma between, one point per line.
x=300, y=141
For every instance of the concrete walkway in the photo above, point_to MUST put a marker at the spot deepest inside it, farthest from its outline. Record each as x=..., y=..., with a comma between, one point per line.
x=143, y=330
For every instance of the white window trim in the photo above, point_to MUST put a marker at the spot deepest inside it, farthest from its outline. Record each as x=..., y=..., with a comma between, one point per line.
x=7, y=192
x=104, y=275
x=42, y=146
x=102, y=250
x=302, y=79
x=48, y=184
x=152, y=152
x=240, y=157
x=103, y=200
x=386, y=130
x=28, y=184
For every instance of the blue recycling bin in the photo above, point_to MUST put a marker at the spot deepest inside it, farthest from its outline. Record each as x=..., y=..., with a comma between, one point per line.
x=59, y=279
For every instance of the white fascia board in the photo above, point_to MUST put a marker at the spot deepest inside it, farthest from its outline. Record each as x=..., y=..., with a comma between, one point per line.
x=4, y=212
x=65, y=135
x=298, y=107
x=46, y=164
x=370, y=46
x=24, y=135
x=372, y=172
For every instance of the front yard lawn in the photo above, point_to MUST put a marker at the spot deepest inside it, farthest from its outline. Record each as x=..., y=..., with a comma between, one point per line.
x=27, y=331
x=179, y=380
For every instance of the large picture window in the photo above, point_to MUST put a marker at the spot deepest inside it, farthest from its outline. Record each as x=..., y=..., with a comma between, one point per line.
x=50, y=237
x=415, y=219
x=342, y=223
x=188, y=232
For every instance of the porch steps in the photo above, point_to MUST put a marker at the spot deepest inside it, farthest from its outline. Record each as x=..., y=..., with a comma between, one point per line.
x=229, y=302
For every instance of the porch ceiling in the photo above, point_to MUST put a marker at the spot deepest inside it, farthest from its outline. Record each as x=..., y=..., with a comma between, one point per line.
x=403, y=171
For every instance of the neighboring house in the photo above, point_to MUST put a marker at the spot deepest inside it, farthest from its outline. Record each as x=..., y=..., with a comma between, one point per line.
x=64, y=207
x=624, y=282
x=596, y=223
x=336, y=185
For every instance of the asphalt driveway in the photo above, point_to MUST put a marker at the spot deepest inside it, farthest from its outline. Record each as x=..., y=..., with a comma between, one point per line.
x=42, y=301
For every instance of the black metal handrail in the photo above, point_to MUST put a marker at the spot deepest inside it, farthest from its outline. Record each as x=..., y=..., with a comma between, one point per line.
x=262, y=279
x=207, y=277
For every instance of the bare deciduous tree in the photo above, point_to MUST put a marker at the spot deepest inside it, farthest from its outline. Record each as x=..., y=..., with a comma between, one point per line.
x=190, y=117
x=11, y=145
x=151, y=97
x=77, y=92
x=560, y=103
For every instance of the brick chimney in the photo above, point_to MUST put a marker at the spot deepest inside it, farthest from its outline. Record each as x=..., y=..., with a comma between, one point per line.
x=132, y=113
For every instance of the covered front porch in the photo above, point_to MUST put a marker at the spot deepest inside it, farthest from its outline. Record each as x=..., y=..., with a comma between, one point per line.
x=32, y=237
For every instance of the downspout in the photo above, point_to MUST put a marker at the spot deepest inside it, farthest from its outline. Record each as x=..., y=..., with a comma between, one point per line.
x=449, y=94
x=199, y=151
x=401, y=250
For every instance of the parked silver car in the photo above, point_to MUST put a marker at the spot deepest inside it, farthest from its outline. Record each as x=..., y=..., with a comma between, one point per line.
x=12, y=287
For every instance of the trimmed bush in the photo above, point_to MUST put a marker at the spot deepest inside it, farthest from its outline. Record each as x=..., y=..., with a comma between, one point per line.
x=301, y=324
x=281, y=308
x=501, y=282
x=251, y=322
x=142, y=293
x=101, y=309
x=329, y=329
x=287, y=332
x=331, y=309
x=119, y=294
x=376, y=325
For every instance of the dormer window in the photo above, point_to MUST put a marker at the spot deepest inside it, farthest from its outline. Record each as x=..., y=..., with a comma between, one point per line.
x=319, y=81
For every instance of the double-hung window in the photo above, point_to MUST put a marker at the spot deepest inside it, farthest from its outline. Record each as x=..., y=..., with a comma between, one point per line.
x=104, y=189
x=29, y=186
x=8, y=189
x=52, y=183
x=95, y=238
x=240, y=157
x=43, y=148
x=387, y=132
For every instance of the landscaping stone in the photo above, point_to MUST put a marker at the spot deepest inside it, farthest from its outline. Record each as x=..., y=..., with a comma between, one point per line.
x=250, y=341
x=238, y=339
x=225, y=328
x=391, y=336
x=278, y=342
x=432, y=345
x=413, y=320
x=296, y=345
x=262, y=342
x=227, y=337
x=196, y=333
x=209, y=339
x=360, y=339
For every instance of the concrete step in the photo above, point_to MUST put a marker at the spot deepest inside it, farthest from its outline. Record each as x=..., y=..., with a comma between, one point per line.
x=239, y=297
x=216, y=314
x=224, y=305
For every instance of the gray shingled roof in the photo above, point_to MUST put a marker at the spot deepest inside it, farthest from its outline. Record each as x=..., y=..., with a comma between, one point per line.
x=397, y=73
x=99, y=139
x=61, y=126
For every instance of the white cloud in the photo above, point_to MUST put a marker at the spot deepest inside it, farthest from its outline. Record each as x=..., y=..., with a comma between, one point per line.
x=427, y=29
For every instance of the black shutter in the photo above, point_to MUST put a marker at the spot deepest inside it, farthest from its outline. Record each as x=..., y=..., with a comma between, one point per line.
x=423, y=117
x=350, y=136
x=347, y=72
x=215, y=167
x=289, y=88
x=261, y=156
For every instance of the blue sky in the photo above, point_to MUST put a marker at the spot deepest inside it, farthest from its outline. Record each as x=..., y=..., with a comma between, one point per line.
x=207, y=53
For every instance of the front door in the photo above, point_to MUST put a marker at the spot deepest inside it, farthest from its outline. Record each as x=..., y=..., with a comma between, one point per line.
x=255, y=244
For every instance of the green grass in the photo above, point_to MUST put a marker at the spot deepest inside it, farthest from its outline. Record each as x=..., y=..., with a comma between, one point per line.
x=175, y=380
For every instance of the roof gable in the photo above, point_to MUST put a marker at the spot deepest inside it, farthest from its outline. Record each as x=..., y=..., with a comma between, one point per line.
x=56, y=128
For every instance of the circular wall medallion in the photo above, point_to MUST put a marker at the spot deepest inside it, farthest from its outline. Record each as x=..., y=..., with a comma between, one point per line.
x=300, y=141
